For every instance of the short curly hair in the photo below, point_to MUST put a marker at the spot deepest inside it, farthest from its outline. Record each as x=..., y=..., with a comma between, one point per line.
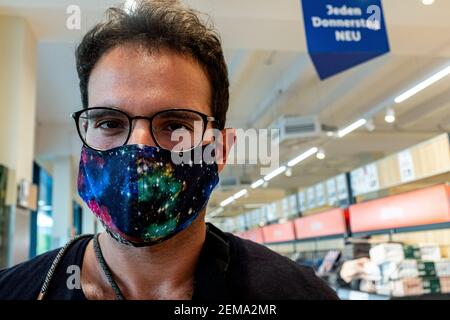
x=154, y=24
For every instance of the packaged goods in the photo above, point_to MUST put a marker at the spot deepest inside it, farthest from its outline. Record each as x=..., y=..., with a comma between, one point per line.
x=430, y=252
x=431, y=285
x=407, y=287
x=445, y=284
x=387, y=252
x=442, y=268
x=395, y=271
x=354, y=251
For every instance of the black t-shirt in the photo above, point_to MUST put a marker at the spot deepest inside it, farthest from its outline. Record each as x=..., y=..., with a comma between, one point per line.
x=228, y=268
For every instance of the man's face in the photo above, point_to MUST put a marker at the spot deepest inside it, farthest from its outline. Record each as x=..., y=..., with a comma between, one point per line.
x=140, y=82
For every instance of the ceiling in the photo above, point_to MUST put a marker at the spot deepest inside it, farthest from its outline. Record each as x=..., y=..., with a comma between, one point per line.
x=271, y=75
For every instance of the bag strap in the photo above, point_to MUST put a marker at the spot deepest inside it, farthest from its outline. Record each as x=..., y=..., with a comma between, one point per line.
x=55, y=264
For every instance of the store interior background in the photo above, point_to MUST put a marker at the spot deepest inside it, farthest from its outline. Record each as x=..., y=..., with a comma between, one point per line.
x=271, y=75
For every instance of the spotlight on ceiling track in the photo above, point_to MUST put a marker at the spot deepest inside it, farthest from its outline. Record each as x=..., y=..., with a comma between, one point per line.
x=288, y=172
x=370, y=125
x=320, y=154
x=390, y=116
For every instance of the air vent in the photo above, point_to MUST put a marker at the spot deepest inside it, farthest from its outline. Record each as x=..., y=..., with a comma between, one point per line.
x=296, y=128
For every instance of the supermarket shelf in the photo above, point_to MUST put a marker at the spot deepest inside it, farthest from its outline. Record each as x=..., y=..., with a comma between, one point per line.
x=347, y=294
x=429, y=227
x=336, y=236
x=437, y=226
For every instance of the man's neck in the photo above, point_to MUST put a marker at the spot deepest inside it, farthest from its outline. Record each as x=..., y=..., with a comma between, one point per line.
x=165, y=270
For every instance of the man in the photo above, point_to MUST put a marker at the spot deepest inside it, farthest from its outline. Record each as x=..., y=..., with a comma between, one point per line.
x=145, y=76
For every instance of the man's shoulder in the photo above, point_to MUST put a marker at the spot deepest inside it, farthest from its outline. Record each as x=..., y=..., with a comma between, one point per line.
x=265, y=274
x=23, y=281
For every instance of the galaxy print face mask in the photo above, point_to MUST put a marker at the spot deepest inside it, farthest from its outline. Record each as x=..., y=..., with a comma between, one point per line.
x=140, y=195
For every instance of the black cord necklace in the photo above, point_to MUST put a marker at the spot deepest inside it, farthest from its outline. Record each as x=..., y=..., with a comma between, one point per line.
x=106, y=270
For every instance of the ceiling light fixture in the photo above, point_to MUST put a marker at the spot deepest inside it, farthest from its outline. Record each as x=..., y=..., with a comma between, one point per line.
x=305, y=155
x=370, y=125
x=355, y=125
x=257, y=183
x=274, y=173
x=423, y=85
x=390, y=116
x=240, y=194
x=320, y=154
x=216, y=212
x=427, y=2
x=227, y=201
x=288, y=172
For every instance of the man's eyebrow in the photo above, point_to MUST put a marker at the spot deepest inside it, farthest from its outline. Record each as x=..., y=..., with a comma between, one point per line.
x=100, y=112
x=186, y=114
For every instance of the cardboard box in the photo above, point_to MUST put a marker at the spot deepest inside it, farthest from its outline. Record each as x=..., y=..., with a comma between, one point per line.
x=445, y=284
x=407, y=287
x=442, y=268
x=387, y=252
x=400, y=270
x=383, y=288
x=430, y=252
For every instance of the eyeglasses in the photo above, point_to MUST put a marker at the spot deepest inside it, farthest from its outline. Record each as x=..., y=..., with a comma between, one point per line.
x=103, y=128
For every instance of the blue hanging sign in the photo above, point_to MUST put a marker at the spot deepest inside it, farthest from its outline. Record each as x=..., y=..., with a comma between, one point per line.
x=341, y=34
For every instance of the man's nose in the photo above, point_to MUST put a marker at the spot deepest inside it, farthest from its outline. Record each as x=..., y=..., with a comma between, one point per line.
x=141, y=133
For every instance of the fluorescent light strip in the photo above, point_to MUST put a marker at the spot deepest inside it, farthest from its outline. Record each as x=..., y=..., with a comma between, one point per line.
x=257, y=184
x=240, y=194
x=424, y=84
x=274, y=173
x=227, y=201
x=235, y=196
x=302, y=157
x=351, y=128
x=216, y=212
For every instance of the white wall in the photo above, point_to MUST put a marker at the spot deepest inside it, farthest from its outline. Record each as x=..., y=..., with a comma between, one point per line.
x=17, y=119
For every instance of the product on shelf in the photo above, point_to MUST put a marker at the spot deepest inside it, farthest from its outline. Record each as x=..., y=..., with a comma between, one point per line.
x=367, y=286
x=431, y=285
x=442, y=268
x=426, y=269
x=372, y=271
x=445, y=284
x=410, y=270
x=407, y=287
x=411, y=252
x=354, y=251
x=387, y=252
x=430, y=252
x=383, y=288
x=329, y=262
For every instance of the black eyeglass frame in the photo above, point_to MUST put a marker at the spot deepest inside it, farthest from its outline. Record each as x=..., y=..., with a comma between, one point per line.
x=206, y=119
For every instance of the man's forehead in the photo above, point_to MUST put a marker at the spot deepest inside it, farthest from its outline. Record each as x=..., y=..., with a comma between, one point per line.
x=143, y=82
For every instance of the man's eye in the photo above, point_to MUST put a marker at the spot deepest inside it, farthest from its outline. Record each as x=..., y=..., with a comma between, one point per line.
x=177, y=126
x=110, y=124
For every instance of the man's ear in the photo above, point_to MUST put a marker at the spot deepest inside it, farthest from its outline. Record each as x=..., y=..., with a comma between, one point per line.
x=224, y=145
